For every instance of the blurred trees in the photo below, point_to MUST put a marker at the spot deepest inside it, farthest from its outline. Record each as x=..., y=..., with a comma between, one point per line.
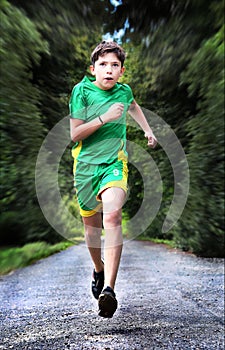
x=205, y=78
x=45, y=50
x=176, y=64
x=175, y=67
x=21, y=125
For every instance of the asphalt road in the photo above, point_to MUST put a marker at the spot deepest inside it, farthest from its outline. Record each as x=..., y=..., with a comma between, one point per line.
x=167, y=300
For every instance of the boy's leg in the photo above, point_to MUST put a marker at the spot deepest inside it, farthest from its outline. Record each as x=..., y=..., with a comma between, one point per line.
x=93, y=230
x=113, y=199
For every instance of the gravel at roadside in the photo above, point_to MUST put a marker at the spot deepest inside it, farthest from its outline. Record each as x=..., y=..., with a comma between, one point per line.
x=167, y=300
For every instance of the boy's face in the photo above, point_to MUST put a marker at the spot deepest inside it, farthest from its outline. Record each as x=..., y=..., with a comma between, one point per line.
x=107, y=71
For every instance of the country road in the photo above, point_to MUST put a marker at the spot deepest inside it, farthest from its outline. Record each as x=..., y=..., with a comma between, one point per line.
x=167, y=300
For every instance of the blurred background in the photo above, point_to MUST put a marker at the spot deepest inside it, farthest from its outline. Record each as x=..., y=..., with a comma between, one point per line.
x=175, y=66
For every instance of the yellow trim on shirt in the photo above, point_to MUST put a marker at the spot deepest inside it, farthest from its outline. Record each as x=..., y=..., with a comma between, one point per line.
x=75, y=154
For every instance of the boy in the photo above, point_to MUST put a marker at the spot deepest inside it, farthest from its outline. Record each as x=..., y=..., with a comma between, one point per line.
x=98, y=107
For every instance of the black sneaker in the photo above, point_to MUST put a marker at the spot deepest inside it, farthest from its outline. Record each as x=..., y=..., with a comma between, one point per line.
x=97, y=283
x=107, y=303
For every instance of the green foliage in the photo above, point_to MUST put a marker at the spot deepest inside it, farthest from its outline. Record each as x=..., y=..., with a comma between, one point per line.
x=206, y=150
x=21, y=126
x=10, y=228
x=14, y=258
x=45, y=50
x=175, y=67
x=177, y=72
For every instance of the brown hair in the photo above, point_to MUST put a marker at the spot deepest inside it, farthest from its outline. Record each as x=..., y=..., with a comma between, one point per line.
x=105, y=47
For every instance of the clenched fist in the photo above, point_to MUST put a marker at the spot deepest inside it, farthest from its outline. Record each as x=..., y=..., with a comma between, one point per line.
x=114, y=112
x=152, y=140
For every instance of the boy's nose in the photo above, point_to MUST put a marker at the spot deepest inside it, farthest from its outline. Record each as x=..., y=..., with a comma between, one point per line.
x=109, y=69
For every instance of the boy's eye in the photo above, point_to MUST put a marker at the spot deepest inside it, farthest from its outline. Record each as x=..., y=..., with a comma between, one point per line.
x=114, y=65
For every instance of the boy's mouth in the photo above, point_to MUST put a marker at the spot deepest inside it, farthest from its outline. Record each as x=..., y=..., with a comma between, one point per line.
x=108, y=78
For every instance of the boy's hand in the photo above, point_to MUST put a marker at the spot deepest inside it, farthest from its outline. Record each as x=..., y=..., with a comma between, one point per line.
x=114, y=112
x=152, y=140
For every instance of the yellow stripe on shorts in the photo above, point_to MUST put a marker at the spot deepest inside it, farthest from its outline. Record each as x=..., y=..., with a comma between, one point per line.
x=122, y=156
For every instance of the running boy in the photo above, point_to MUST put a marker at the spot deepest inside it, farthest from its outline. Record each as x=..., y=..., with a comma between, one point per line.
x=98, y=107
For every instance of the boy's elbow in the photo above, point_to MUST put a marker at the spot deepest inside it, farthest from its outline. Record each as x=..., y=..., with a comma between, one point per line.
x=73, y=137
x=75, y=132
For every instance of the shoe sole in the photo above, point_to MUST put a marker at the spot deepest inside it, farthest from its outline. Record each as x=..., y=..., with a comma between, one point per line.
x=107, y=305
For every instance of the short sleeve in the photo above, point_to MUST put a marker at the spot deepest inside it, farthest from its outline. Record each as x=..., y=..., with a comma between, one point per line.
x=77, y=104
x=130, y=96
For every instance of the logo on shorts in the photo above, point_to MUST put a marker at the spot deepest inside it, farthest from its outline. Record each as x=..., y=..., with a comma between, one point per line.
x=116, y=172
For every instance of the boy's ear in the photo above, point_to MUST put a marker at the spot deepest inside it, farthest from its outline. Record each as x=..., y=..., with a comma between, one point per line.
x=92, y=69
x=122, y=71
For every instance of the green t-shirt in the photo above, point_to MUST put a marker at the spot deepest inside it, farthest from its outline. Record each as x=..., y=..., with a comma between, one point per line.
x=87, y=103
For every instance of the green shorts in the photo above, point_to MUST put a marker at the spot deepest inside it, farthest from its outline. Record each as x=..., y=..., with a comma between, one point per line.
x=90, y=180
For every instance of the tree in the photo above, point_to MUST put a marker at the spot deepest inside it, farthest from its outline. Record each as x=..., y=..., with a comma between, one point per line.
x=45, y=50
x=21, y=125
x=205, y=78
x=167, y=73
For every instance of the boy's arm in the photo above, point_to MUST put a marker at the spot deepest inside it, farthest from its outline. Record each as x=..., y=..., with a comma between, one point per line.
x=137, y=114
x=79, y=130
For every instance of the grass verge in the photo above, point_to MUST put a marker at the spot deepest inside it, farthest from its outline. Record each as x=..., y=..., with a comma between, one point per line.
x=171, y=244
x=16, y=257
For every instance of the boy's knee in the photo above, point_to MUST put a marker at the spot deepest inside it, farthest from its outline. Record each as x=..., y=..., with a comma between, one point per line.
x=92, y=231
x=112, y=219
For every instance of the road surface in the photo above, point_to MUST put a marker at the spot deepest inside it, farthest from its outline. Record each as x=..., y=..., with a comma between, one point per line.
x=167, y=300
